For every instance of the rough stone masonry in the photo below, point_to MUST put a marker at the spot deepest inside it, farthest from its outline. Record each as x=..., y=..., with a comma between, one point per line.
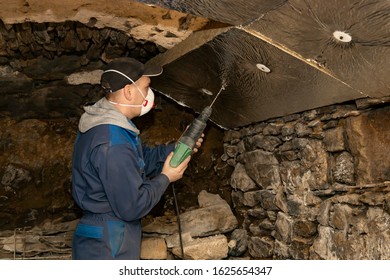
x=315, y=185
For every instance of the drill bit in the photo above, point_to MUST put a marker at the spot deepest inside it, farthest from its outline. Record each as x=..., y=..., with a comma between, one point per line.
x=222, y=88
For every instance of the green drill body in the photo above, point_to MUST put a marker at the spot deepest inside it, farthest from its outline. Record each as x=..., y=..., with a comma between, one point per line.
x=188, y=140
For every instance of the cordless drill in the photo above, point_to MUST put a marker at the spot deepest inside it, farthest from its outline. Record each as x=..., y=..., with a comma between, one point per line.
x=189, y=138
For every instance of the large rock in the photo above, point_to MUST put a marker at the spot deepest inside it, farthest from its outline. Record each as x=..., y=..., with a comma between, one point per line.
x=200, y=222
x=238, y=242
x=334, y=140
x=206, y=199
x=54, y=69
x=263, y=168
x=314, y=157
x=283, y=228
x=240, y=179
x=261, y=247
x=162, y=225
x=206, y=221
x=344, y=169
x=324, y=245
x=13, y=81
x=84, y=77
x=153, y=249
x=368, y=139
x=291, y=176
x=57, y=100
x=209, y=248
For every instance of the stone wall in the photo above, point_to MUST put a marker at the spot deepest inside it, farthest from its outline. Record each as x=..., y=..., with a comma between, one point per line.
x=315, y=185
x=38, y=59
x=29, y=40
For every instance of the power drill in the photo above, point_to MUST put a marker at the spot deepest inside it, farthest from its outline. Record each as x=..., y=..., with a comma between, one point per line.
x=189, y=138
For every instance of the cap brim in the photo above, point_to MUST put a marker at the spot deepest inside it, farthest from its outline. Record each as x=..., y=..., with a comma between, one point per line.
x=152, y=71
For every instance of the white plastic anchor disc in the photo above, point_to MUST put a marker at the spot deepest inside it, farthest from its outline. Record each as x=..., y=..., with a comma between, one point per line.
x=263, y=68
x=342, y=36
x=206, y=91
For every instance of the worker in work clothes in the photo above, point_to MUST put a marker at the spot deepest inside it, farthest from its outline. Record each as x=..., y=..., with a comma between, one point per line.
x=115, y=179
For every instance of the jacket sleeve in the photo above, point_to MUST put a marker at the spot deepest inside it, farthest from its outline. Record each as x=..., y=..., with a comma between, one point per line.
x=130, y=196
x=155, y=157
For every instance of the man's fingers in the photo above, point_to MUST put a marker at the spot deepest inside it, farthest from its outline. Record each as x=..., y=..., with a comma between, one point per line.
x=182, y=166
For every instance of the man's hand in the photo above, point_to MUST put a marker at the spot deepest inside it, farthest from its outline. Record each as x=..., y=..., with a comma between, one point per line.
x=174, y=173
x=198, y=144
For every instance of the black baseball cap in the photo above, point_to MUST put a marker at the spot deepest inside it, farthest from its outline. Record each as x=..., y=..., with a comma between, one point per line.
x=125, y=70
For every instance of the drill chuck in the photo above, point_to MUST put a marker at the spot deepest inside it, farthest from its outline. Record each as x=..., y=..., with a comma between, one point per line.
x=189, y=138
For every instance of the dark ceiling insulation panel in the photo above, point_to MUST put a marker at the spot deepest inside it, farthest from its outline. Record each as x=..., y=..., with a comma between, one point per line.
x=235, y=12
x=350, y=38
x=260, y=80
x=281, y=57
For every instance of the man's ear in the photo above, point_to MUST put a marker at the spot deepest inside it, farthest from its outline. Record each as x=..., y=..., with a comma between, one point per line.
x=128, y=92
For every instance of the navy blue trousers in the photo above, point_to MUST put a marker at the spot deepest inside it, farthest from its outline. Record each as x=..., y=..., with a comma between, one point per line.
x=105, y=237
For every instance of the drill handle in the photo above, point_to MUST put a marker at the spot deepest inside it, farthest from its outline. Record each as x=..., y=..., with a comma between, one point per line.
x=194, y=131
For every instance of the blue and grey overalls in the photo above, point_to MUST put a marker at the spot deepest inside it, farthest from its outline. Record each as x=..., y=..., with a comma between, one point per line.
x=110, y=172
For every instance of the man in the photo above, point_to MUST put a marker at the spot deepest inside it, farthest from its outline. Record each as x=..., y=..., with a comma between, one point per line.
x=116, y=181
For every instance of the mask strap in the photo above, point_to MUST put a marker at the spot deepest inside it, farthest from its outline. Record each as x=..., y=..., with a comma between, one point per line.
x=127, y=77
x=124, y=105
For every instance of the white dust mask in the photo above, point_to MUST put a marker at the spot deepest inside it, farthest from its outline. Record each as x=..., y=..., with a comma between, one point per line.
x=148, y=103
